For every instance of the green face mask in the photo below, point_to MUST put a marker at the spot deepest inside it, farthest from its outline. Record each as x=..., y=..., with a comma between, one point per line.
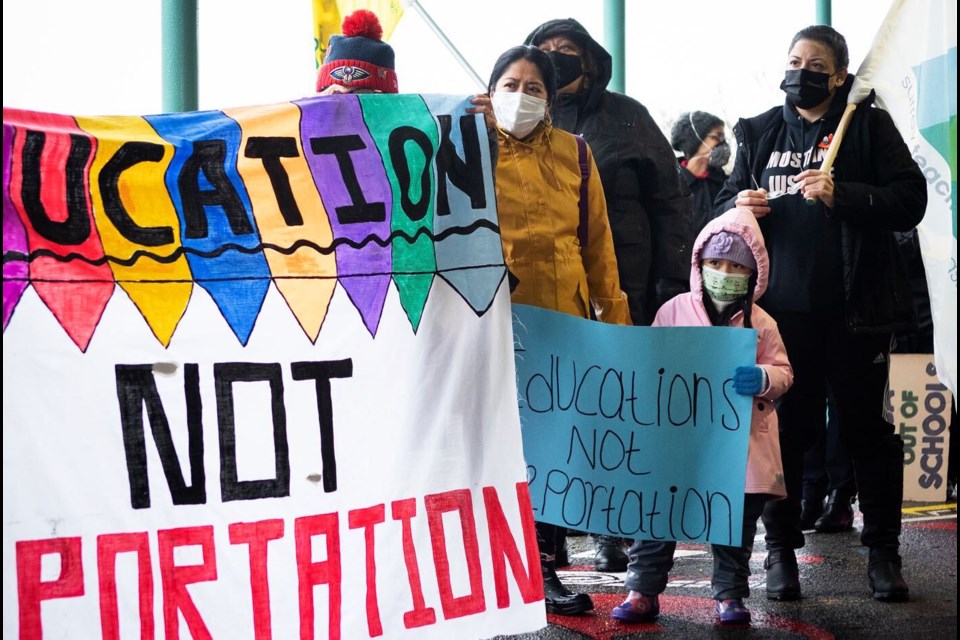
x=724, y=287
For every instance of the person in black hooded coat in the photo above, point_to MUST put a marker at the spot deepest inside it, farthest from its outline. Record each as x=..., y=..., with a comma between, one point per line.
x=650, y=211
x=650, y=214
x=699, y=136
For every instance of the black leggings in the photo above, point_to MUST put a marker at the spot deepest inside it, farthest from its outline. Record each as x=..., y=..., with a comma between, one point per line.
x=852, y=368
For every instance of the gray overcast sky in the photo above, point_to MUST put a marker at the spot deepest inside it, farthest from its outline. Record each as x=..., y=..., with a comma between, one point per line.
x=103, y=57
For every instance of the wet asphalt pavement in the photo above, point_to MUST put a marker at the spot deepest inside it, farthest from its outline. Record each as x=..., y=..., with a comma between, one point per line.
x=836, y=600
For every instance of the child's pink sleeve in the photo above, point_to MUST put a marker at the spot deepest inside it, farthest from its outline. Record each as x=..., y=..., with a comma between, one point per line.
x=772, y=358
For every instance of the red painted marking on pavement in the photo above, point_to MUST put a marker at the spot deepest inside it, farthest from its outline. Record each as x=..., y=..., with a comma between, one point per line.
x=801, y=558
x=941, y=526
x=599, y=625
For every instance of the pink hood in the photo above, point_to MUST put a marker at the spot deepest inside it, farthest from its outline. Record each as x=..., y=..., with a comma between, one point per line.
x=744, y=224
x=764, y=466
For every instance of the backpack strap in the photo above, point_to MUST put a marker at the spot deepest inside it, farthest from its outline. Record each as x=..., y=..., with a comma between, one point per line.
x=584, y=201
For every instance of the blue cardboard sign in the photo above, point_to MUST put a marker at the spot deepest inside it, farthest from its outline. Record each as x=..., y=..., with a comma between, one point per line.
x=634, y=432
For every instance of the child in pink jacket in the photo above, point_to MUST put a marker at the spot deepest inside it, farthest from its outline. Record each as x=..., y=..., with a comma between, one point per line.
x=729, y=271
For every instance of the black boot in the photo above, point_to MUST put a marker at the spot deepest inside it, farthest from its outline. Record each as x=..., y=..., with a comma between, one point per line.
x=814, y=489
x=559, y=599
x=886, y=581
x=838, y=516
x=810, y=510
x=610, y=556
x=783, y=575
x=880, y=485
x=783, y=535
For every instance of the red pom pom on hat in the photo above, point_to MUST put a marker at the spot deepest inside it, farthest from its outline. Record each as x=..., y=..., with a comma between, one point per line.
x=358, y=59
x=362, y=22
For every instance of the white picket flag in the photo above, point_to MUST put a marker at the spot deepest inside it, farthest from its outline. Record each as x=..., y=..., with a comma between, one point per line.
x=912, y=65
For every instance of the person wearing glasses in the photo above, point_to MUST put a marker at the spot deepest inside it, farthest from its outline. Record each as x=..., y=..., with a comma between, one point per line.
x=699, y=137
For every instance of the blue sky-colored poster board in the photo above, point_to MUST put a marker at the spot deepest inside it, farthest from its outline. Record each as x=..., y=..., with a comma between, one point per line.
x=634, y=431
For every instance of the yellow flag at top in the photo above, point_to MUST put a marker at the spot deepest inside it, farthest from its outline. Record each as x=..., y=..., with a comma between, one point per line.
x=329, y=14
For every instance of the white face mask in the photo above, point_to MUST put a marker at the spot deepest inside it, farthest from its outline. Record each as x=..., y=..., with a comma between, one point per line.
x=517, y=112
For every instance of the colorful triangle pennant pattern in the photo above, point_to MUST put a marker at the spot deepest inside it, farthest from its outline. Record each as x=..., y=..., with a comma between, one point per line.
x=350, y=191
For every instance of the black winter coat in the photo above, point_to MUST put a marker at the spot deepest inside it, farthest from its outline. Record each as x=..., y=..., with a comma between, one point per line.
x=704, y=191
x=878, y=189
x=650, y=215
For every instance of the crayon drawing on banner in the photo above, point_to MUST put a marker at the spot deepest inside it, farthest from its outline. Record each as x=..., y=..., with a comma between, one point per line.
x=634, y=432
x=295, y=419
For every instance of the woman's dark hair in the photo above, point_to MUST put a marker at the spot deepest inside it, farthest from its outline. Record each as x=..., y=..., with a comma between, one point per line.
x=829, y=37
x=745, y=304
x=532, y=54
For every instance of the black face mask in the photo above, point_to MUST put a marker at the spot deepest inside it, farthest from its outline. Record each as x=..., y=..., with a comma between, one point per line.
x=719, y=155
x=806, y=89
x=569, y=67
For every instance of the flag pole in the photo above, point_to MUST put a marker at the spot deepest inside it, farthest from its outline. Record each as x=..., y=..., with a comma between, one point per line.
x=831, y=154
x=446, y=41
x=838, y=137
x=178, y=40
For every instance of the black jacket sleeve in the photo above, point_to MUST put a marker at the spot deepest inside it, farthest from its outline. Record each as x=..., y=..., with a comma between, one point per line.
x=738, y=180
x=669, y=207
x=733, y=185
x=894, y=195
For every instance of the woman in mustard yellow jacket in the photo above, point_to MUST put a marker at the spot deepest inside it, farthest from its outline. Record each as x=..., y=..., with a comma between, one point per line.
x=538, y=181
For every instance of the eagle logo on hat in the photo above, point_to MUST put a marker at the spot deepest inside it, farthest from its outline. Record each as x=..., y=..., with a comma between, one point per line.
x=349, y=74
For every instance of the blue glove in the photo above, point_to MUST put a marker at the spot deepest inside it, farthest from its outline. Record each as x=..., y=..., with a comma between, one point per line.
x=748, y=381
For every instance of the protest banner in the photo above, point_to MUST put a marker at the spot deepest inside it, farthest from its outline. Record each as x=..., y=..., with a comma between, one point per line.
x=634, y=432
x=918, y=404
x=912, y=65
x=300, y=419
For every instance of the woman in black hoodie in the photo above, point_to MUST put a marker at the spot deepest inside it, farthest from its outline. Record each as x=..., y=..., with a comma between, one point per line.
x=838, y=288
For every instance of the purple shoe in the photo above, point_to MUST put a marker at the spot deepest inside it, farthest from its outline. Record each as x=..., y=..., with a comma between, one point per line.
x=637, y=610
x=732, y=612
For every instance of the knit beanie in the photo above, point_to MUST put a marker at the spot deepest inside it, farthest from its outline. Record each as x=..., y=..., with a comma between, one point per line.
x=359, y=59
x=682, y=135
x=729, y=246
